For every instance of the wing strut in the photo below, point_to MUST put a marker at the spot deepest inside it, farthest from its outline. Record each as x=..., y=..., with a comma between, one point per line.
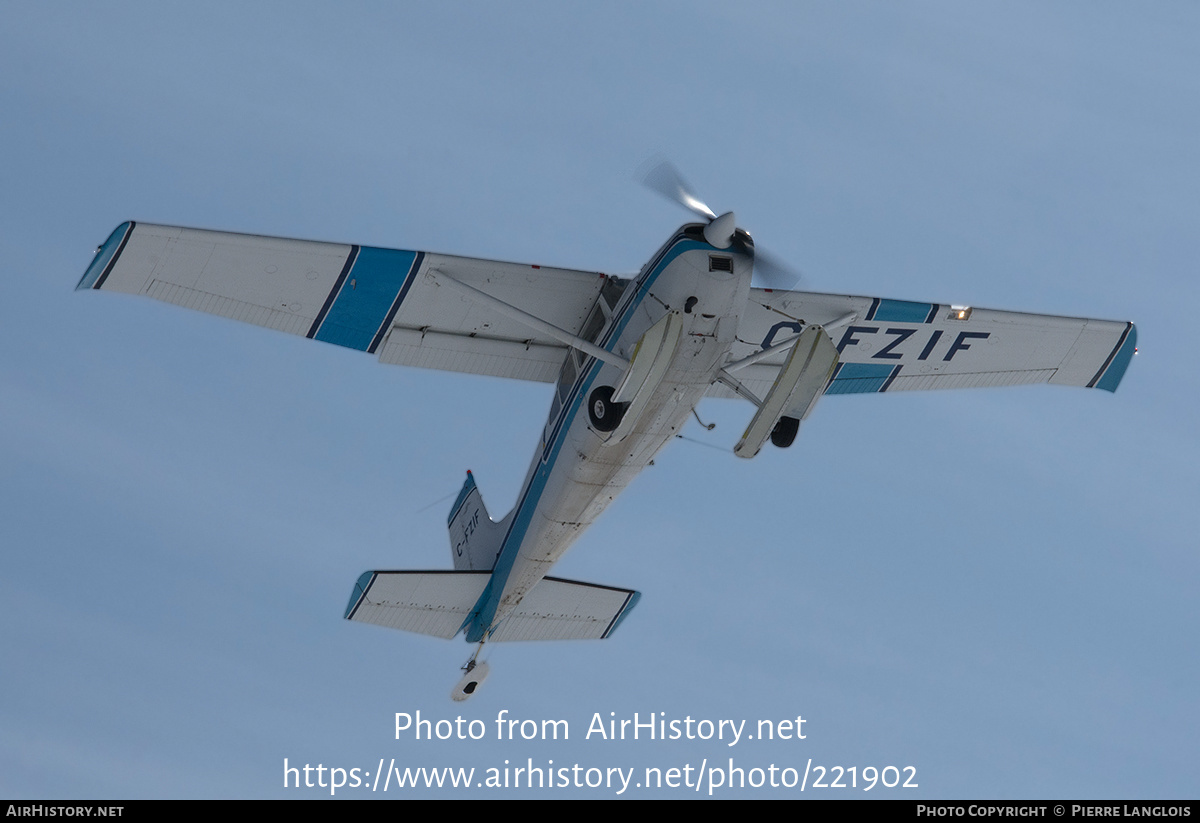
x=535, y=323
x=761, y=355
x=729, y=380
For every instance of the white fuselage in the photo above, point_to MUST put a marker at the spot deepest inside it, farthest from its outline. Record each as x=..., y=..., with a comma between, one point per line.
x=578, y=471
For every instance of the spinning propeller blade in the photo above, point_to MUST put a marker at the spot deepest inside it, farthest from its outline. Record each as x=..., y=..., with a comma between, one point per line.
x=774, y=273
x=664, y=178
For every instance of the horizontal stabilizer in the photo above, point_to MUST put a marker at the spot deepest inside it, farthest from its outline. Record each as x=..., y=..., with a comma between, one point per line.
x=557, y=609
x=434, y=603
x=438, y=603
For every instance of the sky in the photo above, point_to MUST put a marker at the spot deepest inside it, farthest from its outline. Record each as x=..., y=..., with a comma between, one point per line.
x=992, y=591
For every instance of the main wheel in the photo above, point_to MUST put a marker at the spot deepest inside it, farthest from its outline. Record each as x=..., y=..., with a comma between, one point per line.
x=602, y=411
x=784, y=432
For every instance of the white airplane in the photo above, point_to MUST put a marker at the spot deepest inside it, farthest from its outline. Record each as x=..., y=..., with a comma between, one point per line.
x=630, y=360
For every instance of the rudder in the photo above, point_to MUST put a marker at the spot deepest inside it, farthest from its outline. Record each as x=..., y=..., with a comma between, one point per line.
x=475, y=539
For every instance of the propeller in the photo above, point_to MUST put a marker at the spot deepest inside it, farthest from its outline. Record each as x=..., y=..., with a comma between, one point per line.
x=774, y=272
x=664, y=178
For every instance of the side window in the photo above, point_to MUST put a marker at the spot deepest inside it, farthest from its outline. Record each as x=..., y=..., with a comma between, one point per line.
x=594, y=323
x=610, y=294
x=612, y=290
x=566, y=377
x=593, y=327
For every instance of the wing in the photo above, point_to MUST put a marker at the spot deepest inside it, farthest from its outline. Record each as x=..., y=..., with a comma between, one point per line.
x=381, y=301
x=897, y=345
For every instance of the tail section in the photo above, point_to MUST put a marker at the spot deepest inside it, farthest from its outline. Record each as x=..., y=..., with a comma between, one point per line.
x=475, y=539
x=441, y=603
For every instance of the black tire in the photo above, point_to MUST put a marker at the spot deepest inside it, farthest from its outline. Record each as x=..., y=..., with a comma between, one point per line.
x=784, y=433
x=602, y=411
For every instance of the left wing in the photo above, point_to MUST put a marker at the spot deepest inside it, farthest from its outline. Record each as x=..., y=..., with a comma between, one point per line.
x=381, y=301
x=897, y=345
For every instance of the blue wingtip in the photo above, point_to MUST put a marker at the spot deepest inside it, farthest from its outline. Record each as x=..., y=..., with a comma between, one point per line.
x=104, y=256
x=1116, y=369
x=633, y=601
x=360, y=588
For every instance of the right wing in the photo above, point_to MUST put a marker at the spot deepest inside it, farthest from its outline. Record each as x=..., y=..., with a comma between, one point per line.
x=899, y=345
x=381, y=301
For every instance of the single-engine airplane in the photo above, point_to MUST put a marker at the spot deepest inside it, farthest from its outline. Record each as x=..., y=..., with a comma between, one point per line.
x=629, y=359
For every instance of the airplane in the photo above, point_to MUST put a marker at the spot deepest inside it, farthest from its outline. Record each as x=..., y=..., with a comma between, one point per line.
x=630, y=359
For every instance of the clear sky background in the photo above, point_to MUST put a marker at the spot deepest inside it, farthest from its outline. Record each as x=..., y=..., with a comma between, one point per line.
x=998, y=587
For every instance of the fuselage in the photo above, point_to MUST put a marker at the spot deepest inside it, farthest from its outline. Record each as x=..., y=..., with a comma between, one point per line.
x=578, y=470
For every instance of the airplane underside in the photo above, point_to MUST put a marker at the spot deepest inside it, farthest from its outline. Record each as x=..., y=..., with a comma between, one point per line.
x=629, y=360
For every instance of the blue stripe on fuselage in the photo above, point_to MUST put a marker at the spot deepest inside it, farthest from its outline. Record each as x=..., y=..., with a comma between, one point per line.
x=480, y=620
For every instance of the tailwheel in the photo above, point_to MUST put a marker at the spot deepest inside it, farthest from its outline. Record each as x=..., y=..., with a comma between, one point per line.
x=474, y=673
x=604, y=414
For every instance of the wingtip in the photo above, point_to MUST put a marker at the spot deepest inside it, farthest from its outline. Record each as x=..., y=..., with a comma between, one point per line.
x=1120, y=362
x=106, y=255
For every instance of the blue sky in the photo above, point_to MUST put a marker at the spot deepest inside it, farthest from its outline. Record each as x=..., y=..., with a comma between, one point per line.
x=997, y=587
